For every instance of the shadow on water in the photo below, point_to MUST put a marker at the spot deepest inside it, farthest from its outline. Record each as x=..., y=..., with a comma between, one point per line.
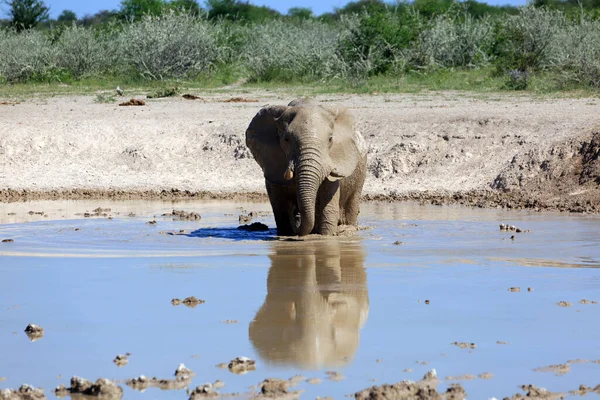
x=232, y=234
x=316, y=304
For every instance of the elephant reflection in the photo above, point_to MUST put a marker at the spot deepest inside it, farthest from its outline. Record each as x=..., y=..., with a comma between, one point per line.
x=317, y=301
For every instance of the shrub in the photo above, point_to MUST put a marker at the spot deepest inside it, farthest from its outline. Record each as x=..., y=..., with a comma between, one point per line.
x=82, y=52
x=455, y=40
x=25, y=56
x=169, y=46
x=524, y=39
x=277, y=50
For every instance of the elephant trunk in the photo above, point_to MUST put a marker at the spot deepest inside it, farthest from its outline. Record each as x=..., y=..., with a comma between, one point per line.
x=310, y=175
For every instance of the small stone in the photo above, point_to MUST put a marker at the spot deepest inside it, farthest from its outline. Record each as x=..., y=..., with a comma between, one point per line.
x=7, y=241
x=530, y=289
x=203, y=391
x=218, y=384
x=398, y=243
x=192, y=301
x=241, y=365
x=254, y=227
x=183, y=372
x=431, y=374
x=334, y=376
x=514, y=289
x=34, y=332
x=427, y=302
x=584, y=301
x=464, y=345
x=564, y=304
x=121, y=360
x=485, y=375
x=176, y=302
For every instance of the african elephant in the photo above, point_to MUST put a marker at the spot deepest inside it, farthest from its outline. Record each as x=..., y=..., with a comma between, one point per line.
x=314, y=163
x=317, y=301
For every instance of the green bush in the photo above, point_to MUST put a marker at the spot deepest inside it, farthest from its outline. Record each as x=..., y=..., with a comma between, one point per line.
x=455, y=40
x=169, y=46
x=278, y=50
x=367, y=39
x=26, y=56
x=84, y=53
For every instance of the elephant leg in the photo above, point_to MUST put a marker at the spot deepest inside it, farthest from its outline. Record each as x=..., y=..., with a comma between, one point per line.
x=351, y=188
x=351, y=209
x=279, y=197
x=328, y=208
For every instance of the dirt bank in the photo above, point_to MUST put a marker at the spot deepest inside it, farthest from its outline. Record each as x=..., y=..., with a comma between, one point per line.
x=484, y=150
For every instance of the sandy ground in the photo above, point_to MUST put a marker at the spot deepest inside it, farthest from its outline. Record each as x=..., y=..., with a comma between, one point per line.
x=482, y=150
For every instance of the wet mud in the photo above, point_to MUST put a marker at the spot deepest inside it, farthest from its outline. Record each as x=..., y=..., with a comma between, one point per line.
x=102, y=388
x=25, y=392
x=425, y=389
x=241, y=365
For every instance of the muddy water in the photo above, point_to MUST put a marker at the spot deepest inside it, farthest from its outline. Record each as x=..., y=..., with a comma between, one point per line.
x=372, y=310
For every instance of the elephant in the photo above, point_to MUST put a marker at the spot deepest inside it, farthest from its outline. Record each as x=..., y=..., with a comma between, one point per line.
x=314, y=164
x=316, y=304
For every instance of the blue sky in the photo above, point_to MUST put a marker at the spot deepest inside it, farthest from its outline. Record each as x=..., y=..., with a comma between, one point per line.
x=82, y=7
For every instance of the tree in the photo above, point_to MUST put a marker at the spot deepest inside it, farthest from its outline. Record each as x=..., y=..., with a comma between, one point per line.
x=101, y=17
x=67, y=16
x=136, y=9
x=300, y=13
x=236, y=10
x=190, y=6
x=25, y=14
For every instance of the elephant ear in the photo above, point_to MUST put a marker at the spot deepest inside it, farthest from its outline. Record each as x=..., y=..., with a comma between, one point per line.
x=263, y=141
x=348, y=146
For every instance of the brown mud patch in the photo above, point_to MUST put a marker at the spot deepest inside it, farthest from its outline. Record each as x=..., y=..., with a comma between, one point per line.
x=241, y=365
x=133, y=102
x=121, y=360
x=191, y=302
x=102, y=388
x=240, y=100
x=11, y=195
x=464, y=345
x=425, y=389
x=183, y=378
x=273, y=388
x=557, y=369
x=183, y=215
x=188, y=96
x=25, y=392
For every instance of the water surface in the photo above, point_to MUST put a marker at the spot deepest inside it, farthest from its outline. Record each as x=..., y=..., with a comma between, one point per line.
x=356, y=305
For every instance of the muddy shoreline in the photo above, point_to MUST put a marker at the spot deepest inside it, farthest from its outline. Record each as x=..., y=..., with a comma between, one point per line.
x=476, y=150
x=474, y=198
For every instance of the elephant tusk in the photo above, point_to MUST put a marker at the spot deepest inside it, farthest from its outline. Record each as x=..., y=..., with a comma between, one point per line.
x=289, y=174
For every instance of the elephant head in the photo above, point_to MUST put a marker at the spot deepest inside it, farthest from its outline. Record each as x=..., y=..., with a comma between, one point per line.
x=304, y=144
x=317, y=301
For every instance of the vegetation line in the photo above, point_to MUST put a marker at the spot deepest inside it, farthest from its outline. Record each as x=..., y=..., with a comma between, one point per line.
x=366, y=45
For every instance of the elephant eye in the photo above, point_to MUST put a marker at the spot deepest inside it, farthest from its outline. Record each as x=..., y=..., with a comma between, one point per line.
x=330, y=139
